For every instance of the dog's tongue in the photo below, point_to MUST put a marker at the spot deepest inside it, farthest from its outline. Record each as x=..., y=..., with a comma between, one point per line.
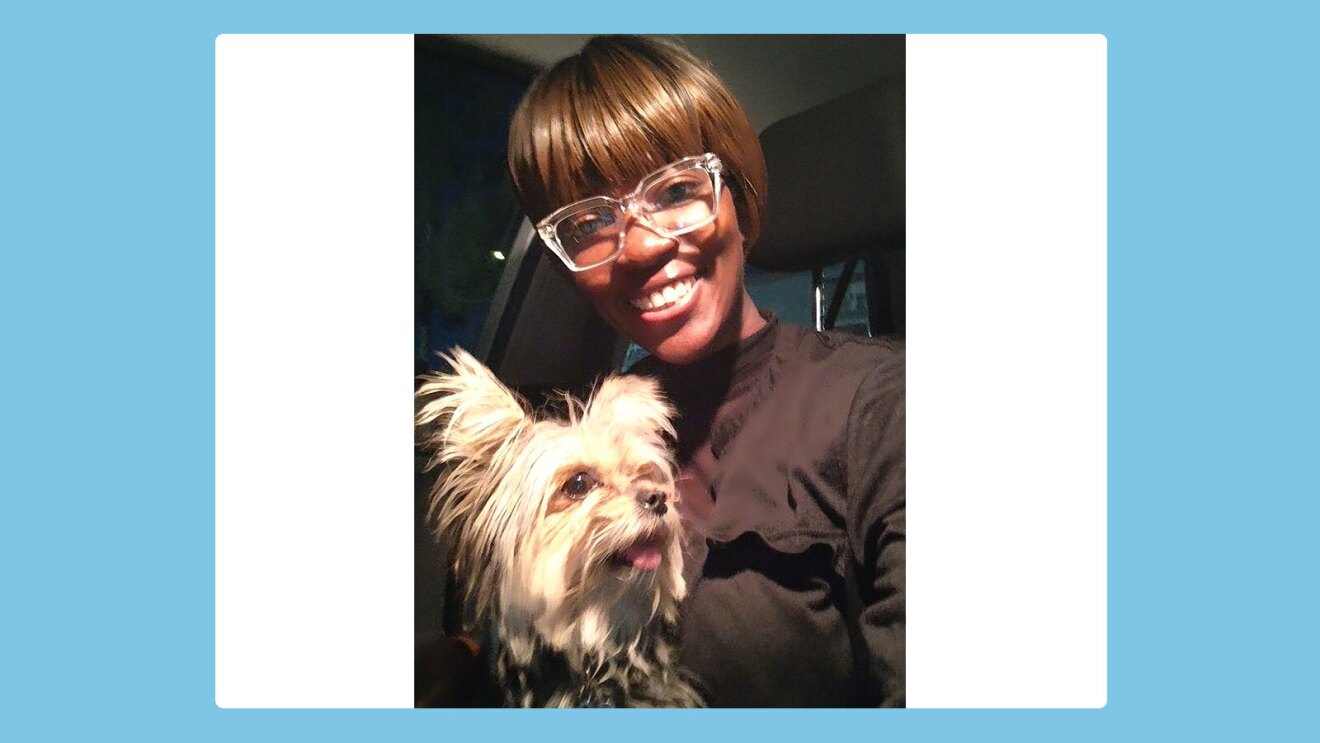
x=643, y=556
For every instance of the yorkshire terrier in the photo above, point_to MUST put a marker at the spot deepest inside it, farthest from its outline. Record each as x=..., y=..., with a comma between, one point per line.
x=564, y=536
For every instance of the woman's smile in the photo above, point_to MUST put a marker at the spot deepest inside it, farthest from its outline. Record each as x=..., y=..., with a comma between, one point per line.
x=670, y=296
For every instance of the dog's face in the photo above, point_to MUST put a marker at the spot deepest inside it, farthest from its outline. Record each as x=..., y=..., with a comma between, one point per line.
x=597, y=549
x=567, y=527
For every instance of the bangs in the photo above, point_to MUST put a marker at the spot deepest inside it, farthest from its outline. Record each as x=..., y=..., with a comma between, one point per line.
x=597, y=122
x=606, y=125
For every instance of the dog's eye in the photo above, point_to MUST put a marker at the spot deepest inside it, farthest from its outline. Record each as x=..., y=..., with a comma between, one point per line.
x=579, y=485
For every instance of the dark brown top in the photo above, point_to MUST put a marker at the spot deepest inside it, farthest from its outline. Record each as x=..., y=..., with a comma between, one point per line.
x=792, y=451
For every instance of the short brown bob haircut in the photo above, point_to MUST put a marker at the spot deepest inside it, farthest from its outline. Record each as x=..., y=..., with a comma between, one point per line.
x=597, y=122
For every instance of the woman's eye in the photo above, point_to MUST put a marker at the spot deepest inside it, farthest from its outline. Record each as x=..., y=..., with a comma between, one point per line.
x=677, y=193
x=584, y=227
x=577, y=486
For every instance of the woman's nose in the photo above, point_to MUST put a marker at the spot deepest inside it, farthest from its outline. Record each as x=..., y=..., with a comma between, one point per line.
x=642, y=245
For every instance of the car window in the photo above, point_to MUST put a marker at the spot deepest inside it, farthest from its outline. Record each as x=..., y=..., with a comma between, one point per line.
x=854, y=314
x=465, y=214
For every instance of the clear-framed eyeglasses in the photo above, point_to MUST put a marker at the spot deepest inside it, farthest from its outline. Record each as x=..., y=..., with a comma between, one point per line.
x=680, y=197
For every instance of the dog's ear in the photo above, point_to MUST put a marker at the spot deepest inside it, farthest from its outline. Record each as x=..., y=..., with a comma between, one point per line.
x=470, y=420
x=633, y=401
x=467, y=414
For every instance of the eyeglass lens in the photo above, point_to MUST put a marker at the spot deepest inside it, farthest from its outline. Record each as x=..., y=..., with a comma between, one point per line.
x=671, y=204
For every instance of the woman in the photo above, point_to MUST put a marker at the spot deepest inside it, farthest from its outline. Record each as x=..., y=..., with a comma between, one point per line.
x=645, y=178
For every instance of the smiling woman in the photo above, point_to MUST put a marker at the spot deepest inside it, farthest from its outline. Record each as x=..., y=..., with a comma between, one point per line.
x=615, y=115
x=611, y=247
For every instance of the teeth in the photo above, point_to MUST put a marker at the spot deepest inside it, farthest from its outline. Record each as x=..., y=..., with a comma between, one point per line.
x=668, y=295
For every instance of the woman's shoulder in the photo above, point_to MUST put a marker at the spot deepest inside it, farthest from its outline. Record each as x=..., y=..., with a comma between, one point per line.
x=837, y=357
x=849, y=385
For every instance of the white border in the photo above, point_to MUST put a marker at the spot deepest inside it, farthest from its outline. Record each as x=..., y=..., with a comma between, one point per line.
x=1006, y=158
x=314, y=505
x=1006, y=307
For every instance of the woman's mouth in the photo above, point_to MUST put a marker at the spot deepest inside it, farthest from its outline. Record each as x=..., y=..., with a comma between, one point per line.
x=663, y=300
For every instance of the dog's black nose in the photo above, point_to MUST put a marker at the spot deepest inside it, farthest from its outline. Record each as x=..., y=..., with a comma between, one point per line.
x=653, y=502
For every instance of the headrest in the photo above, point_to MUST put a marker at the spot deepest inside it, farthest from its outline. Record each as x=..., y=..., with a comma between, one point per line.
x=836, y=181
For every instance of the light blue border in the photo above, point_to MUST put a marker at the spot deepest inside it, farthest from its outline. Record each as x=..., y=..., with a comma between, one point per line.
x=106, y=269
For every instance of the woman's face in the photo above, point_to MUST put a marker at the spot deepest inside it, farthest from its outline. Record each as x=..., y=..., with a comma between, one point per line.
x=677, y=297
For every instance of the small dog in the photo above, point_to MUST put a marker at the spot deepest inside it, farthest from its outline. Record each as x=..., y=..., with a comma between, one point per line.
x=565, y=536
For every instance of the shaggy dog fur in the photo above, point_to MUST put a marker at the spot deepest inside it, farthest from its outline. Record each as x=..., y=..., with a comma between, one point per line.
x=565, y=536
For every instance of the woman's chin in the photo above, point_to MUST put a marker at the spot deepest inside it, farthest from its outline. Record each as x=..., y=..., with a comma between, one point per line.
x=683, y=331
x=692, y=342
x=677, y=333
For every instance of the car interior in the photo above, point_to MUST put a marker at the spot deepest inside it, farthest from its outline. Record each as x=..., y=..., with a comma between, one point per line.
x=831, y=256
